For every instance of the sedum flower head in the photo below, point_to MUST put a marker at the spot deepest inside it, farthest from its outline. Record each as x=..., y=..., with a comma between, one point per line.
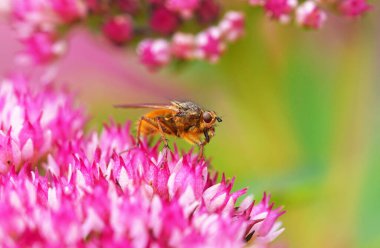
x=32, y=122
x=77, y=189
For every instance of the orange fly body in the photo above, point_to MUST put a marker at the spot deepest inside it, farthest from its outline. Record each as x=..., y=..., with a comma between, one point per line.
x=181, y=119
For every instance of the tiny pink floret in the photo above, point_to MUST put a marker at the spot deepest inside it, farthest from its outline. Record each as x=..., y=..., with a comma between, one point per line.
x=154, y=53
x=280, y=9
x=309, y=15
x=354, y=8
x=118, y=29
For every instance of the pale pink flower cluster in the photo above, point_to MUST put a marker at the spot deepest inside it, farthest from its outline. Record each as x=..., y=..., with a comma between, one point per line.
x=42, y=26
x=184, y=7
x=63, y=187
x=158, y=27
x=353, y=8
x=37, y=22
x=310, y=14
x=208, y=45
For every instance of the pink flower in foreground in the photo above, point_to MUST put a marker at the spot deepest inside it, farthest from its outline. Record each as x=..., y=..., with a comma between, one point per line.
x=353, y=8
x=32, y=122
x=85, y=193
x=309, y=15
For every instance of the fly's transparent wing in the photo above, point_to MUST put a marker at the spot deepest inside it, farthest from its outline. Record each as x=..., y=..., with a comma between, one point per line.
x=145, y=105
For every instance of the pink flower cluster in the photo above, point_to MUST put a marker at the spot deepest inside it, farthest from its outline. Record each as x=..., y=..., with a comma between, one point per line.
x=32, y=123
x=165, y=30
x=207, y=45
x=353, y=8
x=41, y=26
x=62, y=187
x=310, y=13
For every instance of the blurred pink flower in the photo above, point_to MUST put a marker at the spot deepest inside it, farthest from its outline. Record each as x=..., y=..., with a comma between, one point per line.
x=280, y=9
x=118, y=29
x=185, y=7
x=210, y=45
x=90, y=195
x=309, y=15
x=41, y=47
x=232, y=26
x=42, y=26
x=208, y=11
x=183, y=46
x=69, y=10
x=207, y=45
x=354, y=8
x=164, y=21
x=154, y=53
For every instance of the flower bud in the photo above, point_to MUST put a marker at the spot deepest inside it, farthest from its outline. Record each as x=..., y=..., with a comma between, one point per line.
x=119, y=29
x=154, y=53
x=308, y=15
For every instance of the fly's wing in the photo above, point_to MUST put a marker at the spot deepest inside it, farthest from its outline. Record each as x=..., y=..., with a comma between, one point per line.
x=146, y=105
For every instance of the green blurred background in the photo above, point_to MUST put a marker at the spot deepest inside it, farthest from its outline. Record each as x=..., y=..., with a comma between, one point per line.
x=300, y=117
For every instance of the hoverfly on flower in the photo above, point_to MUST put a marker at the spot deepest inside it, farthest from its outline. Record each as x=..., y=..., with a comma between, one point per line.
x=181, y=119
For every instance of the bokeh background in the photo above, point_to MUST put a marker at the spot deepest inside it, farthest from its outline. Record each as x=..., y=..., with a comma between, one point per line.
x=300, y=115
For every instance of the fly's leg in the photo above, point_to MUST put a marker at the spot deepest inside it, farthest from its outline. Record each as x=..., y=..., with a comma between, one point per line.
x=202, y=144
x=161, y=128
x=157, y=125
x=201, y=150
x=164, y=139
x=151, y=122
x=138, y=140
x=195, y=140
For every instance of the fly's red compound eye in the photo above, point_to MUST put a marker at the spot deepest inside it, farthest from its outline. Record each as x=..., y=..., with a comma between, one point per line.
x=207, y=117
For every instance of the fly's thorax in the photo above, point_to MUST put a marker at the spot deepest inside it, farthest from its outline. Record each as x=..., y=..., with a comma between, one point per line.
x=187, y=118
